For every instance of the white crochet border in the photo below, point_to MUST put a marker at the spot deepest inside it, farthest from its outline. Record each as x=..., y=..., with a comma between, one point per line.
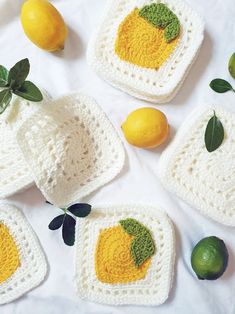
x=147, y=84
x=33, y=266
x=154, y=289
x=199, y=195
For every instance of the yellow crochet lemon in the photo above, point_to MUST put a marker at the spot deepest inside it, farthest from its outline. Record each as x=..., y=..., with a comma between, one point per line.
x=140, y=43
x=9, y=255
x=43, y=25
x=113, y=260
x=146, y=127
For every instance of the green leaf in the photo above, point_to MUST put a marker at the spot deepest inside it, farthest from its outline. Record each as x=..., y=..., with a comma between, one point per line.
x=3, y=76
x=5, y=99
x=18, y=74
x=220, y=86
x=132, y=226
x=142, y=246
x=56, y=223
x=29, y=91
x=80, y=210
x=68, y=230
x=214, y=134
x=160, y=16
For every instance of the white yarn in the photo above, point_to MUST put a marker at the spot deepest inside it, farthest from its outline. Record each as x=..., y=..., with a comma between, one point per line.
x=154, y=288
x=69, y=145
x=205, y=180
x=33, y=266
x=147, y=84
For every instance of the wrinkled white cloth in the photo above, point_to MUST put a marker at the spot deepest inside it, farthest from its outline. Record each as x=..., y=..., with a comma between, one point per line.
x=67, y=71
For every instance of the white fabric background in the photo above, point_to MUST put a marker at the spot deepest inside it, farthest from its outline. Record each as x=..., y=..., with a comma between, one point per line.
x=67, y=71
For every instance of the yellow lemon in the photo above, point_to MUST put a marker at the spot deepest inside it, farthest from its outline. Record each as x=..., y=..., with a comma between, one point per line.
x=9, y=255
x=146, y=127
x=43, y=25
x=113, y=261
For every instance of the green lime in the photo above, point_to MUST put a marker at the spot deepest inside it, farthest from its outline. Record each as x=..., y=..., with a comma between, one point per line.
x=231, y=65
x=209, y=258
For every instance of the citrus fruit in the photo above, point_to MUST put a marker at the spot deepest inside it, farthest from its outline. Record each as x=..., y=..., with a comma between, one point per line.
x=146, y=127
x=209, y=258
x=231, y=65
x=9, y=256
x=43, y=25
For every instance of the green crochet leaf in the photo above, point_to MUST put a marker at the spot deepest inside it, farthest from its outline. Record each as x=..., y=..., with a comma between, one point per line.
x=159, y=15
x=142, y=246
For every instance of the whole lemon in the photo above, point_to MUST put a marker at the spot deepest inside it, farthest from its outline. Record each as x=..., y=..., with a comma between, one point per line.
x=146, y=127
x=43, y=25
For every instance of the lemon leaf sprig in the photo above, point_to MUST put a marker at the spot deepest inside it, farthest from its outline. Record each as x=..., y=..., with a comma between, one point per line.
x=14, y=82
x=142, y=246
x=159, y=15
x=68, y=222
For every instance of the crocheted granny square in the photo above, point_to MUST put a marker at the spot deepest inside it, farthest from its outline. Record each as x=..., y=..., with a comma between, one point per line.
x=70, y=147
x=205, y=180
x=146, y=47
x=125, y=255
x=22, y=262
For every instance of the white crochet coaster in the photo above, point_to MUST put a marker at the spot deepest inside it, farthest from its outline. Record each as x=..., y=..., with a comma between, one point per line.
x=149, y=84
x=33, y=267
x=205, y=180
x=151, y=290
x=70, y=146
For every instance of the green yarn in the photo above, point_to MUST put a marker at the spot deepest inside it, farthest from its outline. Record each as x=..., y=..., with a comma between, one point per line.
x=160, y=16
x=142, y=246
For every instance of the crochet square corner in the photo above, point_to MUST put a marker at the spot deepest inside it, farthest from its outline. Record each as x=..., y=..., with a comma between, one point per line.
x=145, y=83
x=204, y=180
x=32, y=267
x=151, y=287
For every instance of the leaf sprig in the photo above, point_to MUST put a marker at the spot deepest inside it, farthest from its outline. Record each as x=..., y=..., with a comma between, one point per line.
x=14, y=82
x=214, y=134
x=68, y=222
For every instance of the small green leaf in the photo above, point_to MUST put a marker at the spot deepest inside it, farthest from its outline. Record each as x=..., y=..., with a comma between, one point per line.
x=5, y=99
x=68, y=230
x=3, y=76
x=29, y=91
x=231, y=65
x=80, y=210
x=214, y=134
x=18, y=74
x=132, y=226
x=220, y=86
x=142, y=246
x=56, y=223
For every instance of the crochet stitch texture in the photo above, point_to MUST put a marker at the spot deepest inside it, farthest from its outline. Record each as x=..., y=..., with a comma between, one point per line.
x=149, y=84
x=204, y=180
x=154, y=287
x=70, y=147
x=31, y=267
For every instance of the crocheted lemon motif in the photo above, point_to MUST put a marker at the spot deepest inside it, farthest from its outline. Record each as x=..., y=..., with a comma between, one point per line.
x=123, y=253
x=9, y=255
x=148, y=37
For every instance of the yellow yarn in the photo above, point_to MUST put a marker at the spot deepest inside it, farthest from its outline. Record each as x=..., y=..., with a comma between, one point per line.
x=141, y=43
x=113, y=261
x=9, y=256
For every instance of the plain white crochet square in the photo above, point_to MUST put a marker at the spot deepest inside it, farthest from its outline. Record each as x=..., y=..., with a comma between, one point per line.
x=33, y=266
x=70, y=146
x=205, y=180
x=148, y=84
x=154, y=288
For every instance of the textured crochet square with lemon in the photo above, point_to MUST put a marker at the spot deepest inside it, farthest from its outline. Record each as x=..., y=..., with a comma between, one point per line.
x=22, y=262
x=125, y=255
x=146, y=48
x=205, y=180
